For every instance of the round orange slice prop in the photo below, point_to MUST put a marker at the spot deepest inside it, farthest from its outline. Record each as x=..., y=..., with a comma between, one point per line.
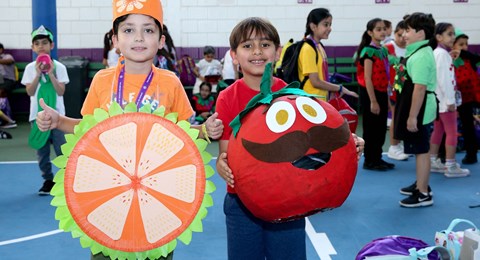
x=133, y=183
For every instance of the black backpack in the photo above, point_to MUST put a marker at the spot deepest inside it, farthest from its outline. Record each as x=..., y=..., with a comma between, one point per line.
x=288, y=71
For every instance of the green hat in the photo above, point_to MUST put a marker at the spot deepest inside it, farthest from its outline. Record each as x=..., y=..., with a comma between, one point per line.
x=460, y=33
x=42, y=31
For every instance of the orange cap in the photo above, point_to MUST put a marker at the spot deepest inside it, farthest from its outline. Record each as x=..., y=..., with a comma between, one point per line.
x=152, y=8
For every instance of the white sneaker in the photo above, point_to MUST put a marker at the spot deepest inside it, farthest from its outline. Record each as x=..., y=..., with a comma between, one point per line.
x=437, y=166
x=454, y=171
x=396, y=152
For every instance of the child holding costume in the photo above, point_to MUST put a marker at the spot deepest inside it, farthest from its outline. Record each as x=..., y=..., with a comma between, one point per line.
x=248, y=237
x=468, y=84
x=445, y=91
x=416, y=105
x=50, y=88
x=137, y=32
x=373, y=73
x=318, y=27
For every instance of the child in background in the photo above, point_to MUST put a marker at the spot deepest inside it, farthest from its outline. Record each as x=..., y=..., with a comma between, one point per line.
x=468, y=84
x=208, y=66
x=373, y=73
x=388, y=32
x=445, y=91
x=416, y=105
x=396, y=50
x=318, y=27
x=50, y=88
x=10, y=123
x=203, y=103
x=110, y=53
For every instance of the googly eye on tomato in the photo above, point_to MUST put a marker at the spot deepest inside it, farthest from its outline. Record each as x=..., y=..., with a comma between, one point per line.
x=311, y=110
x=280, y=116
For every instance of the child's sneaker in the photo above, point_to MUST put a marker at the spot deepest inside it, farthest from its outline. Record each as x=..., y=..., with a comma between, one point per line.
x=410, y=189
x=454, y=170
x=46, y=188
x=417, y=199
x=12, y=124
x=437, y=166
x=396, y=152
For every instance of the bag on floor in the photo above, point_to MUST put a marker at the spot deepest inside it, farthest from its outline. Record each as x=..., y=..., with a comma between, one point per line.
x=395, y=247
x=452, y=240
x=422, y=254
x=471, y=245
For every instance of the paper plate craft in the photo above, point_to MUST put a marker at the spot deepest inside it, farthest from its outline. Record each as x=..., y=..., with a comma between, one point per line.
x=292, y=154
x=131, y=182
x=45, y=61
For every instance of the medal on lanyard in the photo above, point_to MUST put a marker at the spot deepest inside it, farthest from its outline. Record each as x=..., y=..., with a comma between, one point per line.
x=141, y=93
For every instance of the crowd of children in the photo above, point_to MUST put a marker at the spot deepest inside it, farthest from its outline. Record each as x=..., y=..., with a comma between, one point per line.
x=426, y=90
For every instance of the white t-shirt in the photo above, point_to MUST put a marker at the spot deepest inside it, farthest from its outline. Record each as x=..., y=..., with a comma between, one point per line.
x=228, y=67
x=28, y=76
x=213, y=67
x=112, y=59
x=445, y=90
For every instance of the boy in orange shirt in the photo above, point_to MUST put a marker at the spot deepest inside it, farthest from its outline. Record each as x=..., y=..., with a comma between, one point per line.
x=137, y=32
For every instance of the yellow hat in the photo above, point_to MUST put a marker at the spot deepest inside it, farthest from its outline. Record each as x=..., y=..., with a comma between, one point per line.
x=152, y=8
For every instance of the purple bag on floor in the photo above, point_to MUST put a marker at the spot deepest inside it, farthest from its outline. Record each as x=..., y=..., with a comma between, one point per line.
x=392, y=245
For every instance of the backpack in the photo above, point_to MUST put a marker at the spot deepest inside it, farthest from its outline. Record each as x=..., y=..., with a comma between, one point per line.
x=288, y=71
x=186, y=66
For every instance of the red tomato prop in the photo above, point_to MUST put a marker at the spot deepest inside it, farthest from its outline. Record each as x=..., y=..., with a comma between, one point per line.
x=292, y=158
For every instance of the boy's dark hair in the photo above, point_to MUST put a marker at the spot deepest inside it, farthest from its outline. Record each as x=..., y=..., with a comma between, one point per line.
x=1, y=46
x=421, y=21
x=387, y=23
x=42, y=36
x=400, y=26
x=120, y=19
x=243, y=30
x=366, y=38
x=208, y=50
x=315, y=16
x=462, y=36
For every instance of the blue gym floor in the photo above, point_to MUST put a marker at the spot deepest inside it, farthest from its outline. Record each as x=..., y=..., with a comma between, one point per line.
x=28, y=229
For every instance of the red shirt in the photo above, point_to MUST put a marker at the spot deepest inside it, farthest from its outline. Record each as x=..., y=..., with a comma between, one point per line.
x=379, y=73
x=233, y=100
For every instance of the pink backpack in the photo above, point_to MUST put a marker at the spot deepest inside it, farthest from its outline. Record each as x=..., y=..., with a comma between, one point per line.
x=186, y=66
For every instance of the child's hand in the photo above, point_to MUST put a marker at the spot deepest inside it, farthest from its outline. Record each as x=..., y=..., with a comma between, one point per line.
x=454, y=54
x=224, y=170
x=375, y=108
x=48, y=118
x=360, y=144
x=214, y=126
x=347, y=92
x=412, y=124
x=451, y=108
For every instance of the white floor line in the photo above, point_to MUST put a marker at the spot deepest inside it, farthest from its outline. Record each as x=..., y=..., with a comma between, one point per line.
x=320, y=241
x=23, y=239
x=19, y=162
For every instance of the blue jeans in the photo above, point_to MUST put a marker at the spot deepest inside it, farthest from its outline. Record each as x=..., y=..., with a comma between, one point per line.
x=56, y=138
x=254, y=239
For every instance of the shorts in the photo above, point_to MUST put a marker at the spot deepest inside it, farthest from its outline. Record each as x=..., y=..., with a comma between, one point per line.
x=422, y=145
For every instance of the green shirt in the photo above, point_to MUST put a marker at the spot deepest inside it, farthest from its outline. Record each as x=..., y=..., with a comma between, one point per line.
x=422, y=70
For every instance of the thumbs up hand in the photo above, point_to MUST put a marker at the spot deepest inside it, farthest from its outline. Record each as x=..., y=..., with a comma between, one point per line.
x=214, y=126
x=48, y=118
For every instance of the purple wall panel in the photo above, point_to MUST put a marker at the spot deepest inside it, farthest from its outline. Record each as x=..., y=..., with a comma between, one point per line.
x=96, y=54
